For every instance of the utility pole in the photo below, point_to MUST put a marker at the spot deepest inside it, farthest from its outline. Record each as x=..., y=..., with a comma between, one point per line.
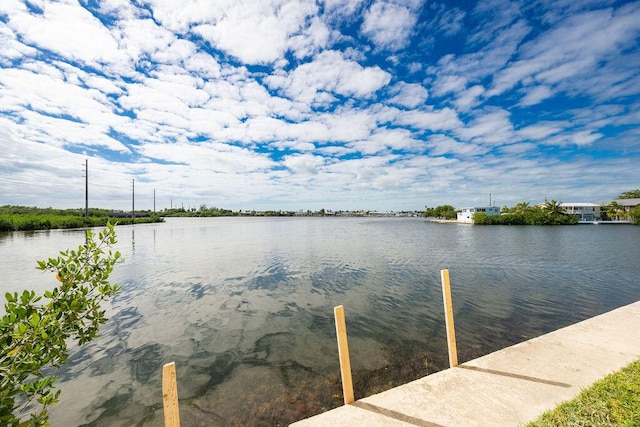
x=154, y=200
x=133, y=199
x=86, y=187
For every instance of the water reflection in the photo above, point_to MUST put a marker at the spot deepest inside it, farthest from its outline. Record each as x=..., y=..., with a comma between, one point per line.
x=244, y=308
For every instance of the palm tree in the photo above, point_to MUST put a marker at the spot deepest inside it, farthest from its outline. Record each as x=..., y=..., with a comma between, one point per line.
x=553, y=207
x=615, y=211
x=521, y=207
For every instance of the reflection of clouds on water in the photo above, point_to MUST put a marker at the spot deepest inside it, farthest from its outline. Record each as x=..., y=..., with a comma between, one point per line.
x=124, y=320
x=270, y=278
x=336, y=279
x=197, y=290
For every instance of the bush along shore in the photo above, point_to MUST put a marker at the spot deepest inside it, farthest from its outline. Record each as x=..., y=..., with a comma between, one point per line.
x=20, y=218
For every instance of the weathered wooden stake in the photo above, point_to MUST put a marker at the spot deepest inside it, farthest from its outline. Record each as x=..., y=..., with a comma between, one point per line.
x=448, y=315
x=170, y=395
x=343, y=354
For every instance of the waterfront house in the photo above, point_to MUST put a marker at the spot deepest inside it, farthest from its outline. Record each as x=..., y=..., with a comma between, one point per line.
x=625, y=205
x=587, y=212
x=466, y=214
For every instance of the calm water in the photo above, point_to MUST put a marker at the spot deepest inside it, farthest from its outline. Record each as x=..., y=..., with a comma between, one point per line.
x=244, y=306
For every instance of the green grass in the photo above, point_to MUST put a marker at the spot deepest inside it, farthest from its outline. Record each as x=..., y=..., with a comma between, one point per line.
x=612, y=401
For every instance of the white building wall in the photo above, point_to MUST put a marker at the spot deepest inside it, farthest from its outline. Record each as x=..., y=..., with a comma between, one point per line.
x=466, y=214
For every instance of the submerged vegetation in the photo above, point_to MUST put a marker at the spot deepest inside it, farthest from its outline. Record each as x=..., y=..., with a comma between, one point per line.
x=296, y=391
x=23, y=218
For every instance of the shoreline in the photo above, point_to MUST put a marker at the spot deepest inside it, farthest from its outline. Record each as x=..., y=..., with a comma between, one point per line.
x=511, y=386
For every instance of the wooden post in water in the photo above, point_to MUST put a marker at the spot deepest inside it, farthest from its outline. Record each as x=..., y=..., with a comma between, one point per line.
x=170, y=396
x=343, y=354
x=448, y=316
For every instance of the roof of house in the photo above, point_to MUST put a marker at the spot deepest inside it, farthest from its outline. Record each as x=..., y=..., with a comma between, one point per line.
x=585, y=204
x=627, y=202
x=622, y=202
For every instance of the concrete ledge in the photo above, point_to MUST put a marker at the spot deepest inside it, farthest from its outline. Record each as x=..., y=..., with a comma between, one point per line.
x=508, y=387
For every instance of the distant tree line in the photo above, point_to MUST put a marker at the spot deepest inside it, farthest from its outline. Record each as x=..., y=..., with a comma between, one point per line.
x=441, y=212
x=202, y=211
x=25, y=218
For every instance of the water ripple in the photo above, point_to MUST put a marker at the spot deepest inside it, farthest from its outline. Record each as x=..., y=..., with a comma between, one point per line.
x=238, y=303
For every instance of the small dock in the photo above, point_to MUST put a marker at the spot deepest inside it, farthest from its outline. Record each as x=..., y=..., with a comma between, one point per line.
x=508, y=387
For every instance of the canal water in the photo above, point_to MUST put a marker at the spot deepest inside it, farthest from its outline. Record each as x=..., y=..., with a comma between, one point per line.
x=244, y=306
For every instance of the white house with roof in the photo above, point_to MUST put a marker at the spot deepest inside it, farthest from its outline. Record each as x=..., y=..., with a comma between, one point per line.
x=587, y=212
x=466, y=214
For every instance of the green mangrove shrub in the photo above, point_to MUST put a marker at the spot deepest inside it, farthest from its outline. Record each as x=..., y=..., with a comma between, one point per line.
x=532, y=217
x=35, y=330
x=46, y=221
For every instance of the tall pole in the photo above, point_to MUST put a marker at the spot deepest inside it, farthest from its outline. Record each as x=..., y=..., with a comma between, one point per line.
x=154, y=200
x=133, y=198
x=86, y=187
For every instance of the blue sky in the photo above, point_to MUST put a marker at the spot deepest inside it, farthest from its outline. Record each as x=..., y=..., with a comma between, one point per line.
x=335, y=104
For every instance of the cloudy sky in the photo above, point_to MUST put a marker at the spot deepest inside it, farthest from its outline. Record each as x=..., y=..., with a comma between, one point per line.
x=336, y=104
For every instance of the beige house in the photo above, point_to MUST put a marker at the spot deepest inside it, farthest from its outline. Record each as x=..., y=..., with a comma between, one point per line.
x=626, y=206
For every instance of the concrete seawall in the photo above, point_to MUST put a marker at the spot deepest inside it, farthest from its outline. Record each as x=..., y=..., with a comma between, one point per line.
x=508, y=387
